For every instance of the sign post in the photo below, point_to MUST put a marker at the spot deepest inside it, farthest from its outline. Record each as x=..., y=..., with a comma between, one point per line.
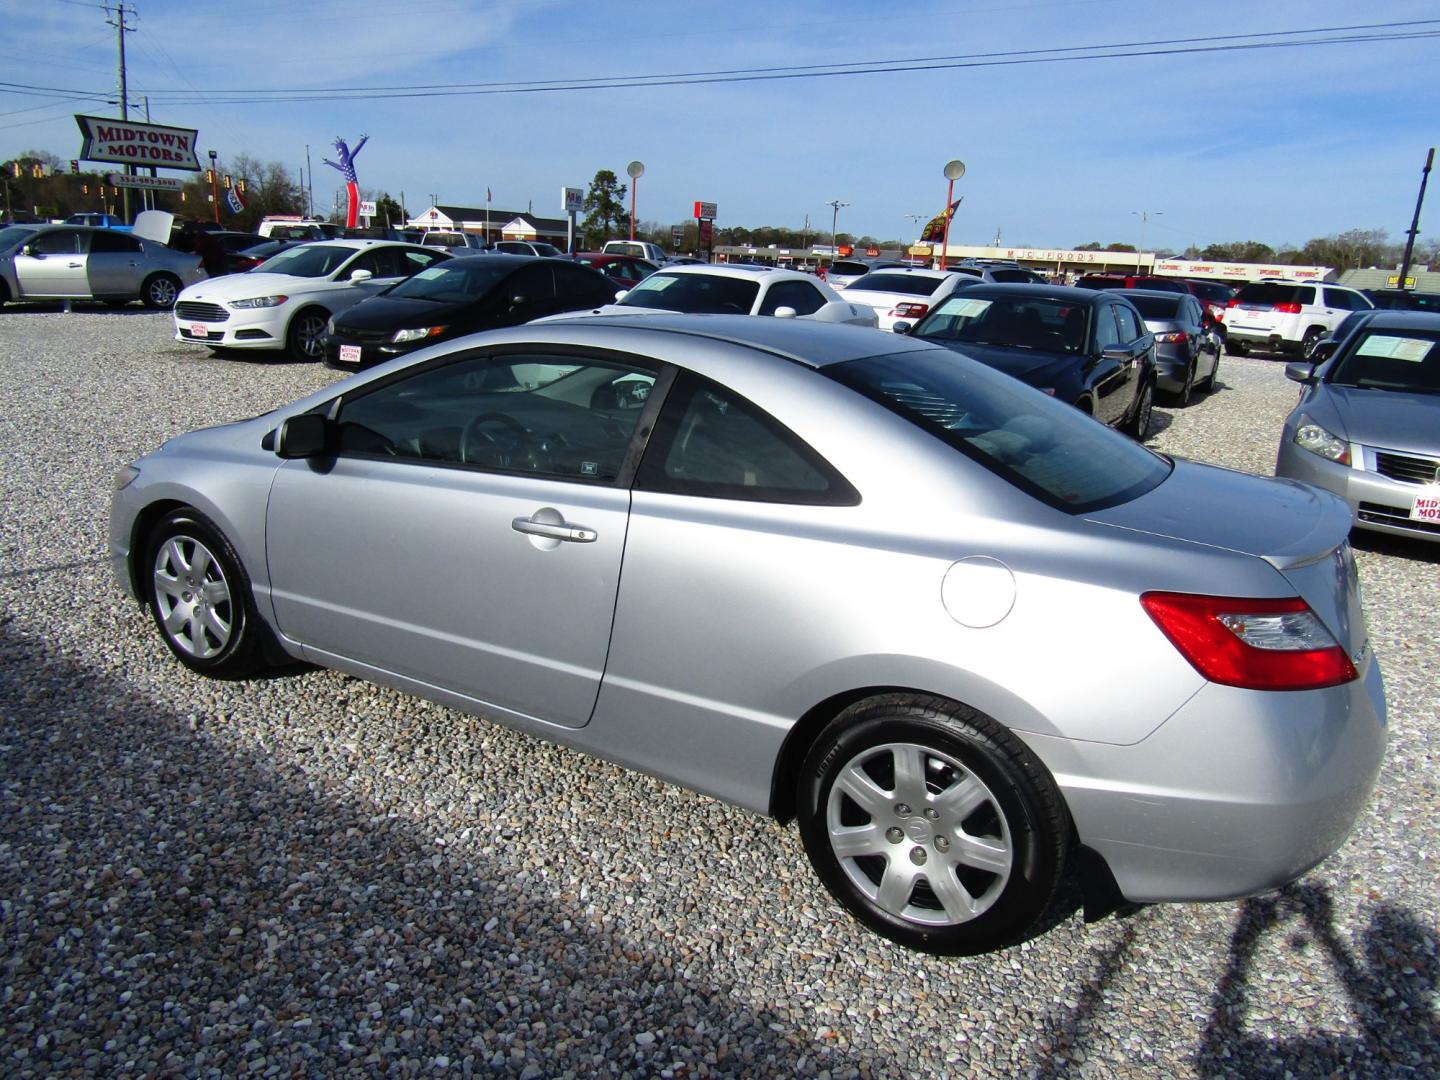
x=705, y=220
x=634, y=170
x=572, y=201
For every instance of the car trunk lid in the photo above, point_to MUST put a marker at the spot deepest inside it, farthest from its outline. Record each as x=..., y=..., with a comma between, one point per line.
x=1299, y=530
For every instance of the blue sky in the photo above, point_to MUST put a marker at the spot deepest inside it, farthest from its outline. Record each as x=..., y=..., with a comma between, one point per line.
x=1274, y=145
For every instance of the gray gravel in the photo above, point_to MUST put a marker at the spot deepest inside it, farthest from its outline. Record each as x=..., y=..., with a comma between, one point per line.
x=307, y=875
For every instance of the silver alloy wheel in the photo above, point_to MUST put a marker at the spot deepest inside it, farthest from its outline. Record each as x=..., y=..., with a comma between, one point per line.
x=193, y=597
x=309, y=328
x=936, y=849
x=161, y=292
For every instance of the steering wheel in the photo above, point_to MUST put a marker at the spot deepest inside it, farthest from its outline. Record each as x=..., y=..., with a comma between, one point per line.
x=475, y=437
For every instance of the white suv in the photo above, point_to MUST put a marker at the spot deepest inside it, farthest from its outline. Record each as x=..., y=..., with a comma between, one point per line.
x=1287, y=316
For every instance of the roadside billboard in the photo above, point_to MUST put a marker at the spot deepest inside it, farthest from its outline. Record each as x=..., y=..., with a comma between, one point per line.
x=126, y=143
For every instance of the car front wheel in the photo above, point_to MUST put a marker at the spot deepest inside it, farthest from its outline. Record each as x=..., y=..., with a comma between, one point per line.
x=932, y=824
x=303, y=341
x=200, y=597
x=1139, y=426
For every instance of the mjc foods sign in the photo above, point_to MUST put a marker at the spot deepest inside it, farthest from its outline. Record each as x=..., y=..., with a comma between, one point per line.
x=126, y=143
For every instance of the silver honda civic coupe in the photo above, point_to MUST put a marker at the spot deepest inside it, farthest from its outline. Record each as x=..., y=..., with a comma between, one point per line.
x=962, y=633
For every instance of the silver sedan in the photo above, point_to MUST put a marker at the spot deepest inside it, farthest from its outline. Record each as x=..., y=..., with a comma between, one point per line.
x=957, y=629
x=75, y=262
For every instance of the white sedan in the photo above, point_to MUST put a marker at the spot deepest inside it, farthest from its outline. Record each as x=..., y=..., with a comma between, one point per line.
x=286, y=301
x=735, y=290
x=901, y=293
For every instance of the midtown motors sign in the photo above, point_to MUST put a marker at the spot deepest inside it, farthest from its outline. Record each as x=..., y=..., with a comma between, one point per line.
x=127, y=143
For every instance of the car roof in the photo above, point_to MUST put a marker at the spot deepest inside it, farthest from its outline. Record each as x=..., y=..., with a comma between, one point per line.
x=812, y=344
x=918, y=271
x=1155, y=294
x=1400, y=319
x=1067, y=293
x=745, y=273
x=360, y=245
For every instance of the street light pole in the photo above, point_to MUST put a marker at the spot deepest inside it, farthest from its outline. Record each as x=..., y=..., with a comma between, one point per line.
x=954, y=170
x=214, y=186
x=1144, y=216
x=835, y=205
x=634, y=170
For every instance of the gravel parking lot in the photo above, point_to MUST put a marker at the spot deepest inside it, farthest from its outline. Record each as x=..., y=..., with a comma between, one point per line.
x=306, y=874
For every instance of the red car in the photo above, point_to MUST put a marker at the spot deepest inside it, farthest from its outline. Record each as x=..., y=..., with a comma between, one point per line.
x=625, y=269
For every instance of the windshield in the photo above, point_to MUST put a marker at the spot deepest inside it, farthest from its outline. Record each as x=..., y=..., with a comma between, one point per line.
x=307, y=260
x=909, y=284
x=12, y=235
x=1405, y=360
x=1026, y=322
x=1049, y=449
x=452, y=282
x=703, y=294
x=1155, y=307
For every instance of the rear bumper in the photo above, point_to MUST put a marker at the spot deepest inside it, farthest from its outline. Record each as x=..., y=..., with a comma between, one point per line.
x=1238, y=793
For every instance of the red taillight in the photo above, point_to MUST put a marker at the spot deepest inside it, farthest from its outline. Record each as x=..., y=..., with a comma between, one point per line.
x=1179, y=337
x=1254, y=644
x=1232, y=302
x=1288, y=309
x=909, y=311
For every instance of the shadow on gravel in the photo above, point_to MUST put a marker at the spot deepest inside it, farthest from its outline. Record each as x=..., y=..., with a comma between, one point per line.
x=1389, y=994
x=171, y=906
x=1401, y=547
x=78, y=307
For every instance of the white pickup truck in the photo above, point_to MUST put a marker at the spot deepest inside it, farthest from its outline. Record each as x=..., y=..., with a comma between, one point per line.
x=651, y=252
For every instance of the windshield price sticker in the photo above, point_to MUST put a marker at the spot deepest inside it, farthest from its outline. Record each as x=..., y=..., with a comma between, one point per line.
x=965, y=309
x=1396, y=348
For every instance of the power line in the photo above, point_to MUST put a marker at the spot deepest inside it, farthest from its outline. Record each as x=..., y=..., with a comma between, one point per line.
x=1123, y=50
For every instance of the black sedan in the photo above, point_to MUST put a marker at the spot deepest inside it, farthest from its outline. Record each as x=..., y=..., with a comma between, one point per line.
x=460, y=296
x=1083, y=346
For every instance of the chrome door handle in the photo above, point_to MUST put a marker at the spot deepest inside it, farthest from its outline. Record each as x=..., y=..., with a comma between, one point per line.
x=575, y=534
x=74, y=266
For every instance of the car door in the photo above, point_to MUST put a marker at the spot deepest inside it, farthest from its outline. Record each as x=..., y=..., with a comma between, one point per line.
x=116, y=265
x=468, y=532
x=1107, y=377
x=52, y=264
x=1139, y=346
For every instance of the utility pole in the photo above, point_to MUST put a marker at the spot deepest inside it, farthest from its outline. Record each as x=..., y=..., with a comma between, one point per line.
x=1415, y=222
x=121, y=29
x=309, y=184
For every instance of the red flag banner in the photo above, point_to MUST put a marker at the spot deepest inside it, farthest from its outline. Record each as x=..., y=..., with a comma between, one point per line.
x=935, y=227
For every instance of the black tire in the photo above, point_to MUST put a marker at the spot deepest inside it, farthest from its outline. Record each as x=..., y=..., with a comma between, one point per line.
x=1208, y=383
x=979, y=807
x=159, y=291
x=1180, y=398
x=302, y=339
x=1313, y=337
x=1138, y=426
x=1236, y=348
x=200, y=598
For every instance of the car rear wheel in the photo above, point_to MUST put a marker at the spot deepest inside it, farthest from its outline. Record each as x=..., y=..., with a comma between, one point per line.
x=159, y=291
x=1208, y=383
x=302, y=340
x=1236, y=348
x=200, y=597
x=1180, y=398
x=932, y=824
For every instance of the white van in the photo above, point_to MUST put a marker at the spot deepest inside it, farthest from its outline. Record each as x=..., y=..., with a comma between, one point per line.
x=651, y=252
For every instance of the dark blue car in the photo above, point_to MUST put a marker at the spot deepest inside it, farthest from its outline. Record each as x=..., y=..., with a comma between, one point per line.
x=1089, y=348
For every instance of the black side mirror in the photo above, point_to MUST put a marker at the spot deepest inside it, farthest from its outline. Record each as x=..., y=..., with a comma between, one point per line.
x=304, y=436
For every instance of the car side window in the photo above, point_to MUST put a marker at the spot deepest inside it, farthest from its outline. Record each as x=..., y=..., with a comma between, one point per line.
x=712, y=443
x=1107, y=333
x=1339, y=298
x=559, y=416
x=800, y=295
x=536, y=284
x=1131, y=328
x=111, y=241
x=411, y=261
x=61, y=242
x=582, y=288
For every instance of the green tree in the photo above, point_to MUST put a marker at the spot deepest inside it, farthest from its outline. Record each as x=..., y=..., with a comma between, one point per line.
x=605, y=212
x=389, y=212
x=1250, y=251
